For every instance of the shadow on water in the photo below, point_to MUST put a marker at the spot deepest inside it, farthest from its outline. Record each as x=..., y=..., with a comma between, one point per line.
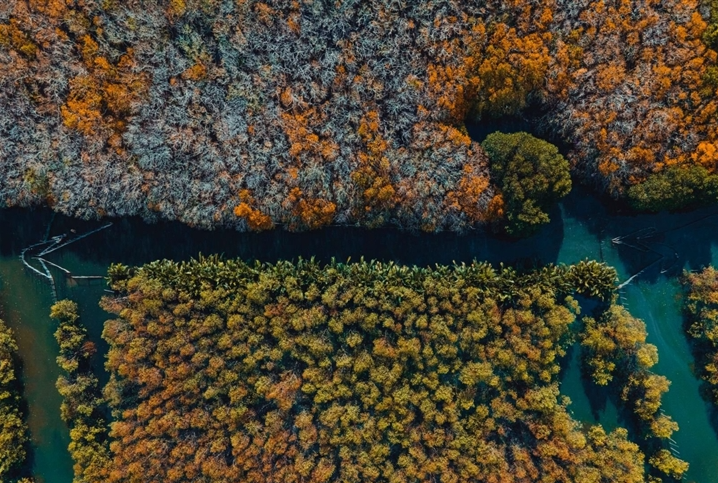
x=590, y=403
x=506, y=124
x=708, y=395
x=531, y=120
x=20, y=228
x=702, y=355
x=598, y=396
x=133, y=242
x=24, y=306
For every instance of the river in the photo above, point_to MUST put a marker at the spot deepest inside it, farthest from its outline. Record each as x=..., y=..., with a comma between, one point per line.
x=581, y=227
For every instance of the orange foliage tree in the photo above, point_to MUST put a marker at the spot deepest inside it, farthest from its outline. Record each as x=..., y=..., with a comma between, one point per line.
x=181, y=104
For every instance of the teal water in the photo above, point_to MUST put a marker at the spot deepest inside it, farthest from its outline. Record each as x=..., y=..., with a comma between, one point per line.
x=581, y=228
x=25, y=306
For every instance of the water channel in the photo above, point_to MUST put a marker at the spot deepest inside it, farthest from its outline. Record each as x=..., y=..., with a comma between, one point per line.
x=581, y=227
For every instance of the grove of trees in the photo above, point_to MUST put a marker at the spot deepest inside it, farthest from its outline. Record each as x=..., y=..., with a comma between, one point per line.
x=701, y=307
x=252, y=113
x=14, y=437
x=292, y=372
x=81, y=405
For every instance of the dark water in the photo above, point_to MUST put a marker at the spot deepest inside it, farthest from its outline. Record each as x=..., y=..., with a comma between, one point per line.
x=581, y=228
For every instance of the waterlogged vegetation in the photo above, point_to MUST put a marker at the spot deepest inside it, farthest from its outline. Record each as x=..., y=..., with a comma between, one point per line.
x=224, y=371
x=615, y=345
x=701, y=306
x=662, y=244
x=79, y=387
x=13, y=429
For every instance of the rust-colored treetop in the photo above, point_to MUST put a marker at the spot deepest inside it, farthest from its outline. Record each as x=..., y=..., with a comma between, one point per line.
x=701, y=309
x=225, y=371
x=305, y=113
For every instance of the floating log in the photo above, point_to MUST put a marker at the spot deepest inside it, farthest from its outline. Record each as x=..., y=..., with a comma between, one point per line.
x=86, y=280
x=53, y=244
x=73, y=240
x=49, y=276
x=67, y=272
x=639, y=273
x=31, y=268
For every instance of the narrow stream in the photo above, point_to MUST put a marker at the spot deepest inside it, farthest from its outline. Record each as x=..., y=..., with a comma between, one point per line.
x=581, y=228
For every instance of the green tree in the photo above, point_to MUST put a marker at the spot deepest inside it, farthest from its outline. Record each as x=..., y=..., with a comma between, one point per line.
x=13, y=430
x=674, y=188
x=80, y=407
x=358, y=372
x=531, y=174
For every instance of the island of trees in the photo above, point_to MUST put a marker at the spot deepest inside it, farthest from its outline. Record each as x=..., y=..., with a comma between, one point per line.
x=228, y=371
x=253, y=114
x=82, y=403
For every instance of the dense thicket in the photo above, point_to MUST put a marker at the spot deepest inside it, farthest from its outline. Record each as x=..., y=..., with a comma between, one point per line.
x=79, y=388
x=223, y=371
x=701, y=306
x=532, y=176
x=13, y=429
x=675, y=186
x=304, y=113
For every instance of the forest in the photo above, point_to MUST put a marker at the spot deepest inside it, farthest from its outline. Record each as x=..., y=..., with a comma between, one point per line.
x=222, y=370
x=254, y=114
x=427, y=116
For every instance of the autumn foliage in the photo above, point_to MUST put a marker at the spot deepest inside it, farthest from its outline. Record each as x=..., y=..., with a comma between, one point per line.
x=701, y=306
x=343, y=112
x=14, y=435
x=224, y=371
x=81, y=405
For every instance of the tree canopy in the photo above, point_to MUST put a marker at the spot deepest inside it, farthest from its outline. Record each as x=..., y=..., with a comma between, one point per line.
x=227, y=371
x=701, y=308
x=531, y=175
x=81, y=406
x=14, y=436
x=675, y=187
x=261, y=113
